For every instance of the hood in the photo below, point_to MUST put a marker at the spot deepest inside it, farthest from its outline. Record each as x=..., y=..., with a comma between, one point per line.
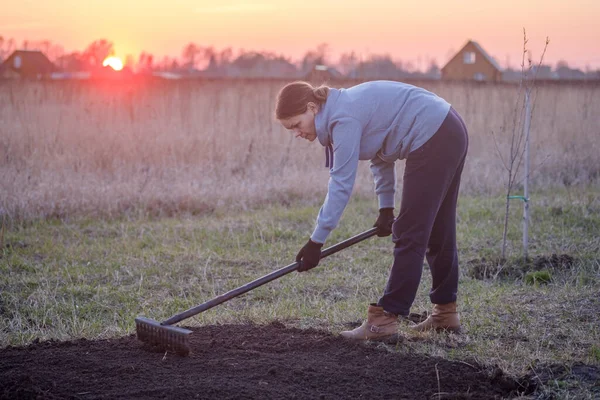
x=324, y=116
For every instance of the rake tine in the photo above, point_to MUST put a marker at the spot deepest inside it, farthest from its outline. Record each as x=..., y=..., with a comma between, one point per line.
x=165, y=336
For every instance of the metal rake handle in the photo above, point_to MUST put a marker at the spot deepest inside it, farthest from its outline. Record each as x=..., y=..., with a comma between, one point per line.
x=265, y=279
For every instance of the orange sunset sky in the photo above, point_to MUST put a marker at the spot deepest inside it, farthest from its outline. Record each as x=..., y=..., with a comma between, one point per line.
x=416, y=30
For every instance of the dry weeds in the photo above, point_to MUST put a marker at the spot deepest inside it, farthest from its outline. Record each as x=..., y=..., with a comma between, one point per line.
x=167, y=147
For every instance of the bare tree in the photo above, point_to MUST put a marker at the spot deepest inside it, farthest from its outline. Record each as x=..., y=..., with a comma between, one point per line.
x=164, y=64
x=129, y=62
x=11, y=45
x=190, y=52
x=2, y=54
x=97, y=52
x=518, y=135
x=348, y=62
x=7, y=46
x=44, y=46
x=315, y=57
x=225, y=56
x=55, y=52
x=145, y=62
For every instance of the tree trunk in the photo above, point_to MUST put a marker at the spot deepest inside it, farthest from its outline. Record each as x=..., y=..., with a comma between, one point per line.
x=504, y=233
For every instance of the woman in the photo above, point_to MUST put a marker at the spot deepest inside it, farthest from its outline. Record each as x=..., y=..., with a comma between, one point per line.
x=385, y=121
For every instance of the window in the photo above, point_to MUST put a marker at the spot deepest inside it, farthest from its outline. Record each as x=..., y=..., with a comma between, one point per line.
x=479, y=76
x=469, y=57
x=17, y=62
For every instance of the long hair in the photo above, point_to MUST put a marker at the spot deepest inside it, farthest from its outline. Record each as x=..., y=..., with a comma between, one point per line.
x=293, y=99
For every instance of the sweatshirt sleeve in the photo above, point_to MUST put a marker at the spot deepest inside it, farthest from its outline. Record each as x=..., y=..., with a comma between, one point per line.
x=384, y=174
x=346, y=135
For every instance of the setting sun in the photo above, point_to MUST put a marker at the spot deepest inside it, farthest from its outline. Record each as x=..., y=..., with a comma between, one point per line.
x=113, y=62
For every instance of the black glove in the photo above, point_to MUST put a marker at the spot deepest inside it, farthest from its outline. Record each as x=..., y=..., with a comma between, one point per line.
x=384, y=222
x=309, y=256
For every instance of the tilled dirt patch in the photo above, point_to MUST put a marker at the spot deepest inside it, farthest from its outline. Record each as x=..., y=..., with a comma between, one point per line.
x=492, y=268
x=242, y=362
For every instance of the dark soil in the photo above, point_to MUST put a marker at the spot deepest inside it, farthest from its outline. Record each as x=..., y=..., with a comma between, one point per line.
x=243, y=362
x=561, y=381
x=488, y=268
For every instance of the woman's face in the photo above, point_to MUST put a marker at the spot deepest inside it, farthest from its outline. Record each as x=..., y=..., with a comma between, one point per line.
x=303, y=125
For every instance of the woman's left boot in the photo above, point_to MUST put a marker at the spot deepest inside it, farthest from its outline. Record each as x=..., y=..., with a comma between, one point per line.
x=444, y=317
x=380, y=325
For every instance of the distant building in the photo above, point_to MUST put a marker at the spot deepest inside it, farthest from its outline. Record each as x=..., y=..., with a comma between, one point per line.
x=543, y=72
x=536, y=72
x=27, y=64
x=473, y=63
x=323, y=74
x=566, y=73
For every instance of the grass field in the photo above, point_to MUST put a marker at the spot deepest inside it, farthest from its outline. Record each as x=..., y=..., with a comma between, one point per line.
x=119, y=202
x=91, y=278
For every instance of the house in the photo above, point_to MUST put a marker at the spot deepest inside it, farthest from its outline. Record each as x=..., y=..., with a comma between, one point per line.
x=472, y=62
x=535, y=72
x=320, y=74
x=27, y=64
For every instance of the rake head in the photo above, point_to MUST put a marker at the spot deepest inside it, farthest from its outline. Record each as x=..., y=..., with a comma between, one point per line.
x=167, y=337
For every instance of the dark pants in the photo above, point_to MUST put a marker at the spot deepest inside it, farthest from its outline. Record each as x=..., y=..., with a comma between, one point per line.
x=426, y=225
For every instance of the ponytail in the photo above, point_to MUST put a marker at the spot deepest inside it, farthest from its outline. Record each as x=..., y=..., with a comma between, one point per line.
x=321, y=93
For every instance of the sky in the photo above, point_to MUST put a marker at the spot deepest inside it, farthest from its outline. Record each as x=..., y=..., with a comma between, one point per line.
x=418, y=31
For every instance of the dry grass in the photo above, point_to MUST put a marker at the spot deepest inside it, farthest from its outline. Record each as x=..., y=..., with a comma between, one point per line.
x=167, y=147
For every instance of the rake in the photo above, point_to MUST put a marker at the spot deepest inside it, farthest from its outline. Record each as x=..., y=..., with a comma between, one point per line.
x=168, y=337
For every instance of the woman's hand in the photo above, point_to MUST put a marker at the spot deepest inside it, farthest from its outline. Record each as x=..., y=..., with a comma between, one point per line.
x=309, y=256
x=384, y=222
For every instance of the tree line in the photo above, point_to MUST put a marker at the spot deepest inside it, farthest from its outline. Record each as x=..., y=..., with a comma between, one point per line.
x=208, y=60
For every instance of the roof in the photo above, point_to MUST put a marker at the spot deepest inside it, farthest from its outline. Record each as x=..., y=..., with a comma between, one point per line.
x=486, y=55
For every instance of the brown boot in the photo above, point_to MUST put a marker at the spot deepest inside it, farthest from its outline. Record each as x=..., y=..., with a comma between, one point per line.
x=380, y=325
x=443, y=318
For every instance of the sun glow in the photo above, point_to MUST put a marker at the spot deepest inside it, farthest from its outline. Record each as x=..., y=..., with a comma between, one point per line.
x=113, y=62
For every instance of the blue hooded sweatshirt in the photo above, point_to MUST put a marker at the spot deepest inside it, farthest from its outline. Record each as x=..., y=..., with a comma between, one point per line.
x=380, y=121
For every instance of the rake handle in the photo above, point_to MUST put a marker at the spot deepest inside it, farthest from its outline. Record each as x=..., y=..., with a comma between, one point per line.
x=265, y=279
